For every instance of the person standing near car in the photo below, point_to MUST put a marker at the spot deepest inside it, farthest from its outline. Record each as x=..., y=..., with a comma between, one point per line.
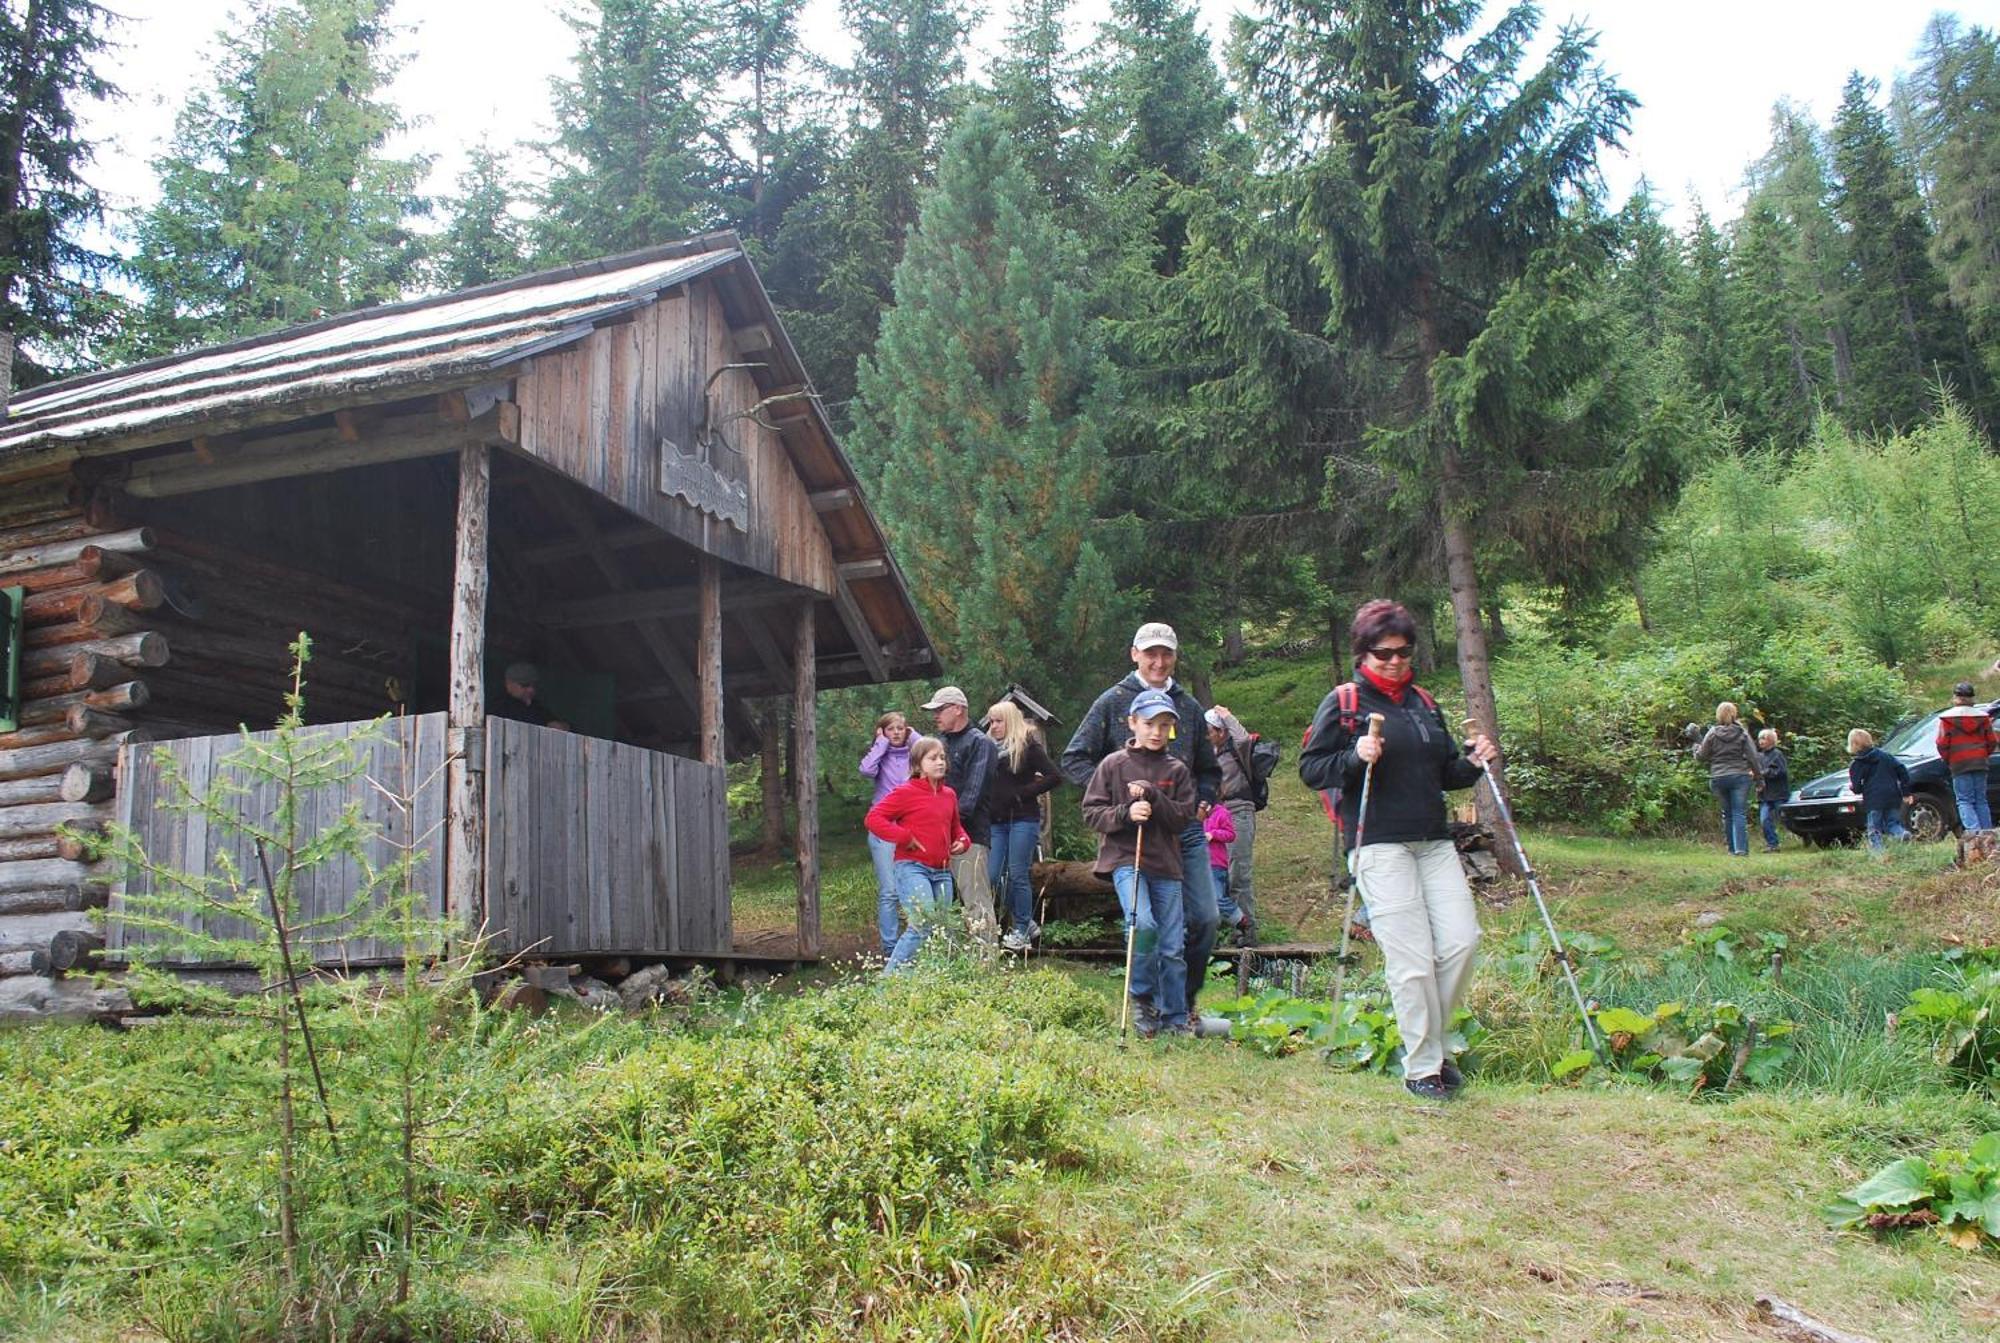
x=1882, y=784
x=1776, y=773
x=1731, y=756
x=1967, y=744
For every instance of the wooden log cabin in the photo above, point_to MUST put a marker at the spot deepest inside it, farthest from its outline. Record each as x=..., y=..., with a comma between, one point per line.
x=617, y=470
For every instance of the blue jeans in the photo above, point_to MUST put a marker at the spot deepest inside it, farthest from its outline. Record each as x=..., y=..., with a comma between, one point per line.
x=1733, y=791
x=926, y=896
x=1224, y=906
x=888, y=919
x=1198, y=907
x=1009, y=865
x=1158, y=932
x=1767, y=816
x=1974, y=811
x=1885, y=821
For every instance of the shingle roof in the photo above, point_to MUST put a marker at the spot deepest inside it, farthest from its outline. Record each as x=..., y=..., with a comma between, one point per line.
x=375, y=350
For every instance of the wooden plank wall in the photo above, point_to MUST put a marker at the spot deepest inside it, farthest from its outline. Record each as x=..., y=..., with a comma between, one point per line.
x=597, y=410
x=594, y=847
x=186, y=840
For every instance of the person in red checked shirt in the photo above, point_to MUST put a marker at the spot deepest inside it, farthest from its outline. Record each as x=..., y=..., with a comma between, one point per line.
x=921, y=819
x=1966, y=741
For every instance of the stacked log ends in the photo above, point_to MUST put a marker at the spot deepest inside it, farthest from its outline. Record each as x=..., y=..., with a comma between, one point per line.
x=58, y=765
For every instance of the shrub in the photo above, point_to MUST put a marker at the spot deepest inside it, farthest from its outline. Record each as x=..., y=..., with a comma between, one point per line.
x=1956, y=1190
x=1709, y=1047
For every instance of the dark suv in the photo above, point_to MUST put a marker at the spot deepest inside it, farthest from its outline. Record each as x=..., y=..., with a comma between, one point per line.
x=1825, y=812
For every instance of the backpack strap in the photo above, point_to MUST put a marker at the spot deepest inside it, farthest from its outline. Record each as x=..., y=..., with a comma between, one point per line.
x=1348, y=697
x=1425, y=696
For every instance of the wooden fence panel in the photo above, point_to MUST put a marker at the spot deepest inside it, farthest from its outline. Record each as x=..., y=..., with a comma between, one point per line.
x=326, y=895
x=599, y=848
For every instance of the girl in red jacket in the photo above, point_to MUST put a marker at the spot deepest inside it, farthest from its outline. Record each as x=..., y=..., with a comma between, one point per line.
x=921, y=819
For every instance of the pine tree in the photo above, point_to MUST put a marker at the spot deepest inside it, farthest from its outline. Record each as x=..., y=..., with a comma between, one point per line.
x=1430, y=174
x=778, y=153
x=1791, y=182
x=1903, y=333
x=48, y=66
x=1953, y=109
x=977, y=428
x=638, y=157
x=483, y=241
x=277, y=200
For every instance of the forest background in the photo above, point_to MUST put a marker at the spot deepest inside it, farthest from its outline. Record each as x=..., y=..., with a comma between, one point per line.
x=1235, y=334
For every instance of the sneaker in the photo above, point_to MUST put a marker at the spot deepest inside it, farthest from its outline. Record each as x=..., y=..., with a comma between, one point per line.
x=1453, y=1079
x=1182, y=1028
x=1427, y=1088
x=1016, y=941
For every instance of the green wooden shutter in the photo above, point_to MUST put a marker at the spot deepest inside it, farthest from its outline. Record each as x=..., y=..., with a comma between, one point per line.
x=12, y=603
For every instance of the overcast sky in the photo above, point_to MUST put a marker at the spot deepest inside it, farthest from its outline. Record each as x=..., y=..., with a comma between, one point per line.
x=1706, y=74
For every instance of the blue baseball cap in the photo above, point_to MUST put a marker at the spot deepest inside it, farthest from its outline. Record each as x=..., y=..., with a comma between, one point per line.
x=1153, y=703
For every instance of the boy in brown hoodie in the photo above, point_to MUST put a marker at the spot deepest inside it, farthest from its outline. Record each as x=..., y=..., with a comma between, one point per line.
x=1144, y=790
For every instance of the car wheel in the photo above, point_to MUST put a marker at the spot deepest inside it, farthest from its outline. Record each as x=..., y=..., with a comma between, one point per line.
x=1928, y=818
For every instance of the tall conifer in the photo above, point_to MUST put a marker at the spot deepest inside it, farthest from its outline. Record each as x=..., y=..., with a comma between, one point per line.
x=977, y=428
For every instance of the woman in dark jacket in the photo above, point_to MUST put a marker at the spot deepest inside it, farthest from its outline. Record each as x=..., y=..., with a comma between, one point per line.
x=1882, y=784
x=1022, y=772
x=1405, y=862
x=1731, y=757
x=1777, y=774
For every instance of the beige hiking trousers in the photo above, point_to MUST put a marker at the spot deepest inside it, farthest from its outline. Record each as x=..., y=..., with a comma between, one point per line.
x=1422, y=914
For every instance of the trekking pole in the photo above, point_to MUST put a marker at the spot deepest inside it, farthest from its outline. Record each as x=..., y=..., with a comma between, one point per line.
x=1131, y=932
x=1535, y=889
x=1354, y=883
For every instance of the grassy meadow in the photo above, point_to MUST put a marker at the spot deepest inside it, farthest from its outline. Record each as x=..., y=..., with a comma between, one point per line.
x=969, y=1153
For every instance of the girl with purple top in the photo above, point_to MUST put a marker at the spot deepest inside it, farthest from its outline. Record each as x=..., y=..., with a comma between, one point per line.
x=888, y=764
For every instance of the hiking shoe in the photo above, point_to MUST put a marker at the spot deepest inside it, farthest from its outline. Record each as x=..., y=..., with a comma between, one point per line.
x=1145, y=1020
x=1016, y=942
x=1034, y=931
x=1427, y=1088
x=1245, y=934
x=1182, y=1029
x=1453, y=1079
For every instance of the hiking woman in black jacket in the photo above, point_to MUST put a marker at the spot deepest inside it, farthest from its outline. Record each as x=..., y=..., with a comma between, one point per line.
x=1404, y=859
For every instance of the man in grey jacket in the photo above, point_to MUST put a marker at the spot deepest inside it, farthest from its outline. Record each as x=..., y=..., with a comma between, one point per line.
x=1155, y=654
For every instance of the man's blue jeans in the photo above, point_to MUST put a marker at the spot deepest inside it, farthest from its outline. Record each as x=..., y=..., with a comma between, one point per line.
x=1159, y=966
x=926, y=897
x=1885, y=821
x=1198, y=907
x=1975, y=813
x=888, y=921
x=1733, y=791
x=1767, y=815
x=1009, y=867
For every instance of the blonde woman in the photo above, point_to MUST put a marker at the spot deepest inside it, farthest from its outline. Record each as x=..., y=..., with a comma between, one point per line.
x=1730, y=753
x=1021, y=775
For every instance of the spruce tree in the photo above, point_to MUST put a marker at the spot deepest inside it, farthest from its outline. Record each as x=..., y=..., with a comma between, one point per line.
x=1776, y=369
x=1430, y=170
x=977, y=429
x=49, y=54
x=278, y=201
x=1953, y=110
x=1699, y=308
x=1791, y=181
x=636, y=159
x=1034, y=92
x=1905, y=337
x=483, y=241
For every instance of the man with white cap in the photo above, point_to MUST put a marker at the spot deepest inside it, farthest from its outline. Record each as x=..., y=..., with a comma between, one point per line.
x=1155, y=654
x=972, y=755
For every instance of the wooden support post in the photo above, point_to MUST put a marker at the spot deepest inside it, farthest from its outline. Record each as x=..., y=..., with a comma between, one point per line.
x=709, y=661
x=805, y=776
x=465, y=800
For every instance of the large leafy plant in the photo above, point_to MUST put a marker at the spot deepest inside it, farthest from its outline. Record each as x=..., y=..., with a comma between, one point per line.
x=1956, y=1191
x=1962, y=1023
x=1716, y=1046
x=1275, y=1023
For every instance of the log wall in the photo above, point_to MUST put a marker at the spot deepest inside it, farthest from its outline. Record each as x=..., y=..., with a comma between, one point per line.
x=134, y=634
x=596, y=847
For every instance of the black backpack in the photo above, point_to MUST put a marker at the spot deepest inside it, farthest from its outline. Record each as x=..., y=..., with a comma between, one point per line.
x=1264, y=757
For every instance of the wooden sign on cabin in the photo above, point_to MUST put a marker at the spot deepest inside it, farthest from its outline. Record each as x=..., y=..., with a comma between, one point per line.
x=693, y=477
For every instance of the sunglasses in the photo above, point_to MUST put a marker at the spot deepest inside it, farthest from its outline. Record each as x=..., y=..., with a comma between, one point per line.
x=1400, y=651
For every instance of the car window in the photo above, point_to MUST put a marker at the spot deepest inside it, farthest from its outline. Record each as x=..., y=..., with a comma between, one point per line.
x=1918, y=741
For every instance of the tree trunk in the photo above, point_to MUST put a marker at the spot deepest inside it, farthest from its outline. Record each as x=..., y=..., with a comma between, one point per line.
x=1232, y=642
x=771, y=772
x=1474, y=667
x=1638, y=597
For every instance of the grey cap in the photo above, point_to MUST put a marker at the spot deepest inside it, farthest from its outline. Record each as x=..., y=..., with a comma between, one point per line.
x=1156, y=634
x=949, y=694
x=523, y=673
x=1964, y=690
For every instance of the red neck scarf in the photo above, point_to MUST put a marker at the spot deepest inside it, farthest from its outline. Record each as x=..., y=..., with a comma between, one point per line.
x=1392, y=686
